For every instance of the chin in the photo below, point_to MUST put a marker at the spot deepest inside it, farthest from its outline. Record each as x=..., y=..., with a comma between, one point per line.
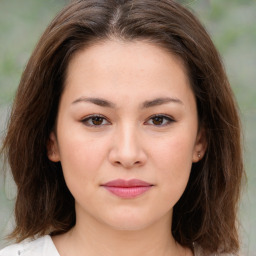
x=132, y=225
x=130, y=221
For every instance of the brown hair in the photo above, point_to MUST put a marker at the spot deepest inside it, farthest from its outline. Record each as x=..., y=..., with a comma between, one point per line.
x=206, y=212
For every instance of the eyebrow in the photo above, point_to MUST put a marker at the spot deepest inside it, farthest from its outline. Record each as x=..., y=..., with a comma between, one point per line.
x=96, y=101
x=147, y=104
x=160, y=101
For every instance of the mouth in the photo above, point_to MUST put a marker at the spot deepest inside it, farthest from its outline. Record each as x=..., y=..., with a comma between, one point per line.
x=127, y=188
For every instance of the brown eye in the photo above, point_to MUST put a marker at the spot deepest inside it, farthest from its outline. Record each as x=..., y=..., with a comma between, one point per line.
x=160, y=120
x=95, y=120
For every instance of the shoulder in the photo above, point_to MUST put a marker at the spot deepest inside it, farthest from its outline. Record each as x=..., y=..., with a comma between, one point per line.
x=198, y=251
x=42, y=246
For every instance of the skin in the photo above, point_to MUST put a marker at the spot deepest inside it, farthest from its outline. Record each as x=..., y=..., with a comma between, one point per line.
x=126, y=142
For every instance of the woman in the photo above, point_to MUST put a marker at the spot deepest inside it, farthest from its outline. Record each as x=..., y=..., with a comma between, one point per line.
x=124, y=137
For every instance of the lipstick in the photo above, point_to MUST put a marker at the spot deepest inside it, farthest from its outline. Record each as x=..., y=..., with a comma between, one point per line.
x=127, y=188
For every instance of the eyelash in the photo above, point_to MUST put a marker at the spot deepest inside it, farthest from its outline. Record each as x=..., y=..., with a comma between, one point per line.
x=86, y=120
x=167, y=118
x=90, y=118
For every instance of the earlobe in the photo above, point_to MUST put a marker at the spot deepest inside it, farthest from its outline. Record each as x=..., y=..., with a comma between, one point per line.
x=52, y=148
x=200, y=146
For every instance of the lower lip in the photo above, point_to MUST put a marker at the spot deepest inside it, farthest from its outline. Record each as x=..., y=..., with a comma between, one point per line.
x=130, y=192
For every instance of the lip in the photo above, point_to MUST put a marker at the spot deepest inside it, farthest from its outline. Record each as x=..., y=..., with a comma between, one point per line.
x=127, y=188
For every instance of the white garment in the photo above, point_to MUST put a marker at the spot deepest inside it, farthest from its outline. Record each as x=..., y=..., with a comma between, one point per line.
x=42, y=246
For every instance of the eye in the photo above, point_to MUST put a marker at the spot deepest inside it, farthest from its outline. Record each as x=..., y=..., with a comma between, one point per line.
x=160, y=120
x=95, y=120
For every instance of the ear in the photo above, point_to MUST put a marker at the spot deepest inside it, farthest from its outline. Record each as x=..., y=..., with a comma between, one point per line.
x=52, y=148
x=200, y=146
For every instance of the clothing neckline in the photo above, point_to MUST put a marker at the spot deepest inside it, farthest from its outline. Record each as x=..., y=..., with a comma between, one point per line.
x=49, y=238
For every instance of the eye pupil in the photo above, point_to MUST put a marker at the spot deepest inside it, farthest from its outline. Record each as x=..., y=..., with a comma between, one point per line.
x=97, y=120
x=158, y=120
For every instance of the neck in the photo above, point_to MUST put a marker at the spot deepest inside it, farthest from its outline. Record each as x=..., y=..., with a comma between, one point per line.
x=92, y=238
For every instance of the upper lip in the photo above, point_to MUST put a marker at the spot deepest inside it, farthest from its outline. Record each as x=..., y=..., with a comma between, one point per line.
x=127, y=183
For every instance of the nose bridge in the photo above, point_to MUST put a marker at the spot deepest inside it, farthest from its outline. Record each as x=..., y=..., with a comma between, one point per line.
x=127, y=146
x=127, y=140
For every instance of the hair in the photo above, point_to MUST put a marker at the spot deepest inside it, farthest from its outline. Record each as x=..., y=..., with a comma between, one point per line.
x=207, y=211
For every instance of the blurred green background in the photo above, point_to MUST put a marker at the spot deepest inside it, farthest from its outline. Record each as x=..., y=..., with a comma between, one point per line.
x=232, y=25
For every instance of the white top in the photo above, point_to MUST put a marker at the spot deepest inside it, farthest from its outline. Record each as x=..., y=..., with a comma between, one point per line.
x=44, y=246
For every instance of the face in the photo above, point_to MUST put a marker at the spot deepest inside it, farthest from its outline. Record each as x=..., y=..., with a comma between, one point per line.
x=127, y=133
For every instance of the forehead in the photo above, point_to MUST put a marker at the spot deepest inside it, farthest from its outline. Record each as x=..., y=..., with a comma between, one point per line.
x=136, y=67
x=141, y=53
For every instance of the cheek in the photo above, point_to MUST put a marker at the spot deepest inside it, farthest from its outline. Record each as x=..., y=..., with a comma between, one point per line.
x=81, y=157
x=81, y=161
x=173, y=160
x=174, y=152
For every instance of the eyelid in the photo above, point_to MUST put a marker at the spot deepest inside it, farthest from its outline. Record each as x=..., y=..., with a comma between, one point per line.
x=87, y=118
x=169, y=118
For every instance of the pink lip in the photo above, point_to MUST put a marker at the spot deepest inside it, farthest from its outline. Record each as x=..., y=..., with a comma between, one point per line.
x=127, y=188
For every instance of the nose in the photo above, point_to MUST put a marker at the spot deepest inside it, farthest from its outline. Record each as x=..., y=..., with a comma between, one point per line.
x=127, y=148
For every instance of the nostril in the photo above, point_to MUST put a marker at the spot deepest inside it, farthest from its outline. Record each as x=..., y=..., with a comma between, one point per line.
x=127, y=158
x=117, y=162
x=127, y=164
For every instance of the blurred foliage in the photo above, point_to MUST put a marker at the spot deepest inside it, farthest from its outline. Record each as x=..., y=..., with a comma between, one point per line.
x=232, y=25
x=21, y=24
